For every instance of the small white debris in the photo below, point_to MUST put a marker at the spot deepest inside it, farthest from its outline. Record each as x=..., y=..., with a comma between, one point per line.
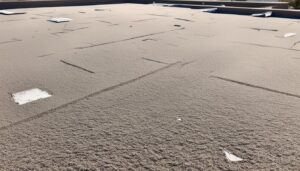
x=266, y=14
x=231, y=157
x=289, y=35
x=60, y=19
x=31, y=95
x=209, y=10
x=6, y=12
x=178, y=119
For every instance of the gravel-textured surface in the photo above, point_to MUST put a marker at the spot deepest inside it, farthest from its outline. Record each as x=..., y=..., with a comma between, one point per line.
x=158, y=97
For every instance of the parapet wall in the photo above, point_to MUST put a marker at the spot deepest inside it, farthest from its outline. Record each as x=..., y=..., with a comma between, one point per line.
x=282, y=13
x=279, y=9
x=54, y=3
x=277, y=5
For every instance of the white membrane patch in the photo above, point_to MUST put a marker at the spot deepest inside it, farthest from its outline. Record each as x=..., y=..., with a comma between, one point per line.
x=266, y=14
x=231, y=157
x=209, y=10
x=31, y=95
x=289, y=35
x=60, y=19
x=5, y=12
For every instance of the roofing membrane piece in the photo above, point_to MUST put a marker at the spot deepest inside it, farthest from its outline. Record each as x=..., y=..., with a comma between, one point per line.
x=31, y=95
x=209, y=10
x=6, y=12
x=231, y=157
x=266, y=14
x=60, y=19
x=289, y=35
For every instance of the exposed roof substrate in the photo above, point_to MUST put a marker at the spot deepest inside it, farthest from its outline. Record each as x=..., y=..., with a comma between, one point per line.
x=146, y=86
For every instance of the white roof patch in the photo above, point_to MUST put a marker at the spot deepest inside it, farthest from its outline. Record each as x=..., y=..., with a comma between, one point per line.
x=31, y=95
x=60, y=19
x=231, y=157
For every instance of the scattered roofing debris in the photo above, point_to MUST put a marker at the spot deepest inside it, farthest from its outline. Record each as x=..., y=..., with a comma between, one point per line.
x=209, y=10
x=6, y=12
x=60, y=20
x=28, y=96
x=265, y=14
x=263, y=29
x=197, y=110
x=230, y=157
x=289, y=35
x=76, y=66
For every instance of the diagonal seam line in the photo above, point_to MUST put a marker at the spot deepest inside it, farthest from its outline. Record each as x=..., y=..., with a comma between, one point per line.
x=132, y=38
x=295, y=44
x=147, y=19
x=76, y=66
x=183, y=19
x=152, y=60
x=44, y=55
x=256, y=86
x=87, y=96
x=265, y=46
x=11, y=41
x=262, y=29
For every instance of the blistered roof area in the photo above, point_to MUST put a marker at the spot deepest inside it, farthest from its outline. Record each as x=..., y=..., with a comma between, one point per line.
x=148, y=87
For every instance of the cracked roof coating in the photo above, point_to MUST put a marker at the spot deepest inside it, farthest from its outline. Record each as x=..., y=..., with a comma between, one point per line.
x=146, y=87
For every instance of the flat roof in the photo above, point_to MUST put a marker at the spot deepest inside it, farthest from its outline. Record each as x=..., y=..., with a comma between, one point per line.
x=149, y=87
